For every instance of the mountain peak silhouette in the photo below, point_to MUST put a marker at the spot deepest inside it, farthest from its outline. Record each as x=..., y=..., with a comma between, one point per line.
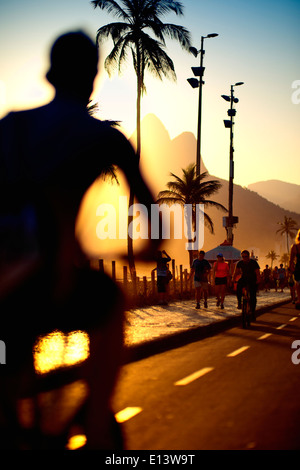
x=286, y=195
x=162, y=155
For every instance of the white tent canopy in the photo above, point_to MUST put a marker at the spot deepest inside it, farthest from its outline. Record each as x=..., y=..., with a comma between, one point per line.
x=228, y=251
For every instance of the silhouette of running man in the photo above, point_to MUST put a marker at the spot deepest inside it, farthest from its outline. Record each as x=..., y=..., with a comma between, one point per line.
x=50, y=155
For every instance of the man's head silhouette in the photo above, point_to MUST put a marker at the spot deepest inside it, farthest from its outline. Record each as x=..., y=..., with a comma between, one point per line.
x=74, y=62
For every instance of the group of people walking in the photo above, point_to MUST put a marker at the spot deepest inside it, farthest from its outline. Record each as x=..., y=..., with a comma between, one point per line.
x=201, y=270
x=246, y=272
x=276, y=278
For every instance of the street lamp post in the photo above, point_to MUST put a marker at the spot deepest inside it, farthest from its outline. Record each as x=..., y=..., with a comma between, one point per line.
x=199, y=72
x=231, y=220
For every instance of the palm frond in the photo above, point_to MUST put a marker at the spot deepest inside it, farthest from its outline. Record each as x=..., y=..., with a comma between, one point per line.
x=191, y=189
x=170, y=201
x=111, y=7
x=208, y=223
x=155, y=59
x=113, y=30
x=215, y=204
x=177, y=33
x=110, y=172
x=170, y=197
x=287, y=226
x=92, y=107
x=163, y=7
x=117, y=56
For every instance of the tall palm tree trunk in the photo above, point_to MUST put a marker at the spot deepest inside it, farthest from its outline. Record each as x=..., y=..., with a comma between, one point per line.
x=130, y=251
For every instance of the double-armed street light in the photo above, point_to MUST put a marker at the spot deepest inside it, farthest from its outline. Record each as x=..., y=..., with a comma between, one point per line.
x=231, y=220
x=195, y=83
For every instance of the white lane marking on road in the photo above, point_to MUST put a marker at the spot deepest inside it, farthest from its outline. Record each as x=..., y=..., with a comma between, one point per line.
x=281, y=326
x=190, y=378
x=265, y=336
x=293, y=319
x=127, y=413
x=238, y=351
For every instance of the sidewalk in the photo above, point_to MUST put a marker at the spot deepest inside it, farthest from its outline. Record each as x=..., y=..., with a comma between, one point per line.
x=162, y=327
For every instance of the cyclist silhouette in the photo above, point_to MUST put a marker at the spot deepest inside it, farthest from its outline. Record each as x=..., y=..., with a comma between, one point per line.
x=49, y=156
x=250, y=277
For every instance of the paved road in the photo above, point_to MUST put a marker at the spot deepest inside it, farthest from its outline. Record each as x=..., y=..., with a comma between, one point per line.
x=236, y=390
x=153, y=322
x=158, y=328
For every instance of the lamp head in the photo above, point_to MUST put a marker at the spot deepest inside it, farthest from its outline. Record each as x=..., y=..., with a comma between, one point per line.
x=227, y=124
x=193, y=82
x=225, y=97
x=193, y=51
x=198, y=71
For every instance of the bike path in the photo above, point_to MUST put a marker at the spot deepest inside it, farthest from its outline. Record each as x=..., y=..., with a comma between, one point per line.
x=153, y=329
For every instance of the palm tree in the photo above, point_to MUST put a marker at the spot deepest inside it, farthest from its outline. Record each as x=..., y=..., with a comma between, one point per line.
x=285, y=259
x=108, y=171
x=130, y=35
x=272, y=256
x=192, y=189
x=288, y=228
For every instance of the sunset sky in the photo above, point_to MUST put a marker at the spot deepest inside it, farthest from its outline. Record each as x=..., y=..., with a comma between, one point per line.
x=258, y=44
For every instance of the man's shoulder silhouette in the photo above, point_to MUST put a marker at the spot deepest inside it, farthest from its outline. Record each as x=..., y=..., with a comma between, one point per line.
x=63, y=133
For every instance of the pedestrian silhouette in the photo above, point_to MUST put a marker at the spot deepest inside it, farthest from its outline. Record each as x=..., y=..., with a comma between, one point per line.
x=49, y=156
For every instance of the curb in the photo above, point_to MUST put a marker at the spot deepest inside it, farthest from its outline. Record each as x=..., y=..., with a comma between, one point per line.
x=175, y=340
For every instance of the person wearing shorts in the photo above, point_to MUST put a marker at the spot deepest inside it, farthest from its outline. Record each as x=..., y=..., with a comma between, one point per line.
x=221, y=273
x=281, y=277
x=162, y=261
x=201, y=269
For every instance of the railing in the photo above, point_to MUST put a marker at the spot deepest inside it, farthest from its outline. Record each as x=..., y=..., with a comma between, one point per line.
x=142, y=290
